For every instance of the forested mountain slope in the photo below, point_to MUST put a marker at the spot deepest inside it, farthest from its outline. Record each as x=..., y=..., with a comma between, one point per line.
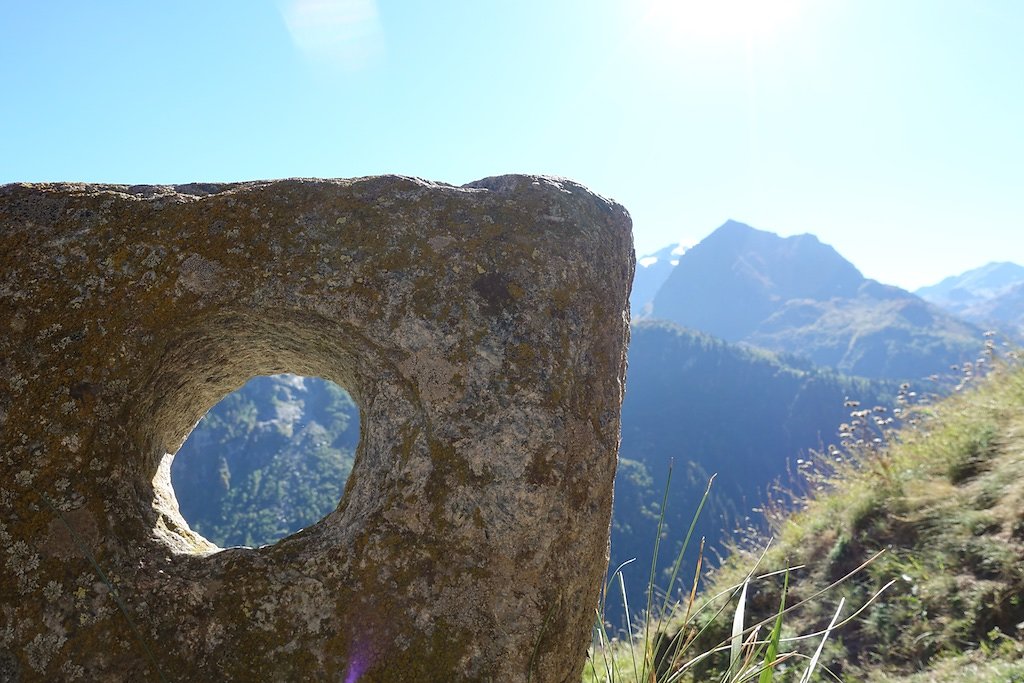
x=268, y=460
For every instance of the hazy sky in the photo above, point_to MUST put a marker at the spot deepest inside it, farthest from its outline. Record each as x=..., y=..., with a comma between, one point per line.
x=892, y=129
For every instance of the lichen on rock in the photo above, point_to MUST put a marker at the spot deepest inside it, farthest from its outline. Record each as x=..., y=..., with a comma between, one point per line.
x=482, y=331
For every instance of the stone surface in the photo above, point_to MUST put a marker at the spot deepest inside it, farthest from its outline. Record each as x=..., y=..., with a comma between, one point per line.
x=480, y=328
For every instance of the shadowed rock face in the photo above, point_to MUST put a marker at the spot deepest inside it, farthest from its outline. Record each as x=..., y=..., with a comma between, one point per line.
x=481, y=329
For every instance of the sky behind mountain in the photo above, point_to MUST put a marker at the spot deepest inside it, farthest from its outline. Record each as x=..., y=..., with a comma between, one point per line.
x=888, y=129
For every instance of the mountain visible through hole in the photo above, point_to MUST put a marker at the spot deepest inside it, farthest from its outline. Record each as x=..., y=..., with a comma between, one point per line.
x=269, y=459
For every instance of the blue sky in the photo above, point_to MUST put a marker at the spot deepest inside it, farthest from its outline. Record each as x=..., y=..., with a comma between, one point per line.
x=892, y=129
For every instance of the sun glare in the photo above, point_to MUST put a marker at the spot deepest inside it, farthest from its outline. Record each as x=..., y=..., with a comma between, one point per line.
x=340, y=33
x=716, y=20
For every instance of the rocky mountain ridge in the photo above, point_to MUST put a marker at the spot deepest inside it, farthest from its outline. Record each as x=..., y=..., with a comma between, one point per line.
x=991, y=296
x=797, y=295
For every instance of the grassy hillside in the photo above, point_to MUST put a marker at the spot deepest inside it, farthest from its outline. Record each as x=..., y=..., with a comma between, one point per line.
x=943, y=504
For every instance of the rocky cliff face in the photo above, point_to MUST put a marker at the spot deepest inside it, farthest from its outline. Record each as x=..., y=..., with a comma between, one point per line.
x=481, y=330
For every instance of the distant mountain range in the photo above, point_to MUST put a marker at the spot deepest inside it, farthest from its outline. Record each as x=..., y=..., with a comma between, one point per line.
x=990, y=296
x=797, y=295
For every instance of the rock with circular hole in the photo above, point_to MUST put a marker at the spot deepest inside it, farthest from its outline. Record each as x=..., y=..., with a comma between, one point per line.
x=481, y=329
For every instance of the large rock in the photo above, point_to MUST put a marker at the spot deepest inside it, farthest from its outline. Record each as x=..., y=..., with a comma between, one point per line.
x=481, y=329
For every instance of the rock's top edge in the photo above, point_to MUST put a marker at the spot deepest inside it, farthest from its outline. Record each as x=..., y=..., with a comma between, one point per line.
x=499, y=184
x=516, y=182
x=204, y=189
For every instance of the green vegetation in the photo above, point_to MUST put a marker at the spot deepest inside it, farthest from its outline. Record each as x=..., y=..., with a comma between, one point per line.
x=931, y=515
x=283, y=447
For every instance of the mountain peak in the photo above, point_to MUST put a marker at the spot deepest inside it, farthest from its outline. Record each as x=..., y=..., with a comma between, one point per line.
x=798, y=294
x=731, y=225
x=736, y=235
x=992, y=295
x=983, y=281
x=732, y=231
x=739, y=275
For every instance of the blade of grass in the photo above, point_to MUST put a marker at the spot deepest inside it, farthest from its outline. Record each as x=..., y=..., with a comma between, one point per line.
x=724, y=645
x=679, y=644
x=682, y=551
x=610, y=663
x=654, y=567
x=817, y=653
x=677, y=675
x=737, y=629
x=718, y=613
x=761, y=668
x=752, y=649
x=848, y=619
x=696, y=578
x=733, y=590
x=768, y=672
x=602, y=640
x=813, y=596
x=629, y=626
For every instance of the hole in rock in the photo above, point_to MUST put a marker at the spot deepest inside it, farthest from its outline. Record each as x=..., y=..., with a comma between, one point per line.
x=269, y=459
